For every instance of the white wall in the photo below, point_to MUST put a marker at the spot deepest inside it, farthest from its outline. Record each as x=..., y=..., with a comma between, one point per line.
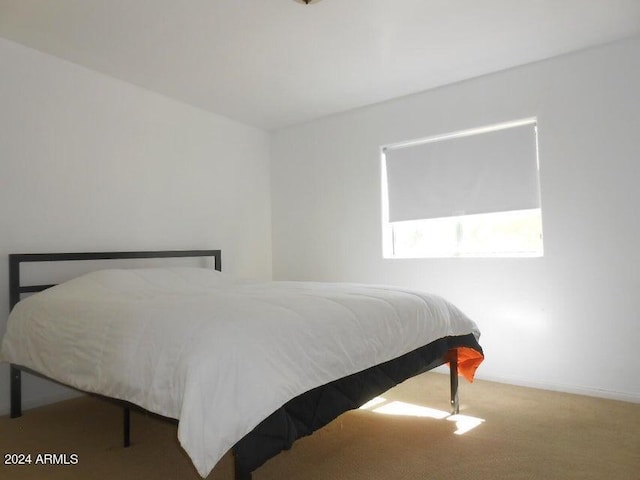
x=89, y=163
x=569, y=320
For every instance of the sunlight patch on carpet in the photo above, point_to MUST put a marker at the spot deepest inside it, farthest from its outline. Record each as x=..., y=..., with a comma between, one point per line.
x=411, y=410
x=464, y=423
x=372, y=403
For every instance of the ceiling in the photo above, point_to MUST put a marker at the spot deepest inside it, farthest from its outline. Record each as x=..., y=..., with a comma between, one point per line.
x=275, y=63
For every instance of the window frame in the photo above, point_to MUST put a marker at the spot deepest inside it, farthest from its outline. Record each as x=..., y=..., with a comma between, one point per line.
x=388, y=233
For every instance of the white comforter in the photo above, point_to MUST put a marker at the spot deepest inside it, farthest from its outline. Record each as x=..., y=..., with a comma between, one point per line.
x=218, y=354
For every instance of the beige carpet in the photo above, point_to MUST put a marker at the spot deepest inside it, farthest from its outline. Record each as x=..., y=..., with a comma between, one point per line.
x=524, y=434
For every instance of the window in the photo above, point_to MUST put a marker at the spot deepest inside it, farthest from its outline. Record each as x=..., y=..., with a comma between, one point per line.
x=470, y=193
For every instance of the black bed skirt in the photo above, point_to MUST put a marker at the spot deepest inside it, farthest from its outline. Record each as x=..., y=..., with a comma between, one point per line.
x=314, y=409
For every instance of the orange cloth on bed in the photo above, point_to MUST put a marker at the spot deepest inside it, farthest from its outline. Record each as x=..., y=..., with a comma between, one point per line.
x=468, y=362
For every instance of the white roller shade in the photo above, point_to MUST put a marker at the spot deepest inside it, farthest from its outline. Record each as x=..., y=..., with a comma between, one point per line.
x=493, y=171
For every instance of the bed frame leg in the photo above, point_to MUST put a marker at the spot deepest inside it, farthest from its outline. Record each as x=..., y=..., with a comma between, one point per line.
x=453, y=375
x=126, y=427
x=16, y=391
x=240, y=472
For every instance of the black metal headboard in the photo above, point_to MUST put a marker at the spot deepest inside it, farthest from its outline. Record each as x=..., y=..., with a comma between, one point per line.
x=15, y=259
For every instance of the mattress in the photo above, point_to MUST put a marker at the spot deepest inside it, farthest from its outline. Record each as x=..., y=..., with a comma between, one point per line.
x=217, y=353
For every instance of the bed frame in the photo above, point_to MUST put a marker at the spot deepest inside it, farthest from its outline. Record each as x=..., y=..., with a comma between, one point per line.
x=243, y=469
x=16, y=289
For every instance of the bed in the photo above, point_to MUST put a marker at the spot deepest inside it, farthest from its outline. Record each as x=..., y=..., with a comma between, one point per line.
x=241, y=365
